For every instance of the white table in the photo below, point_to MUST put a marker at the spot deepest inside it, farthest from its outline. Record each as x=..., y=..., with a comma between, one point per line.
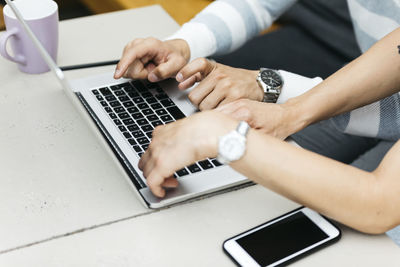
x=62, y=203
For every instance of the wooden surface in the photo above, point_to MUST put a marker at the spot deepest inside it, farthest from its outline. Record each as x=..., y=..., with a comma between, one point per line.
x=2, y=26
x=180, y=10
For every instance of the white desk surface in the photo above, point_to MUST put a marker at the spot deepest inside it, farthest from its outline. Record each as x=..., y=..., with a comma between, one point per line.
x=63, y=204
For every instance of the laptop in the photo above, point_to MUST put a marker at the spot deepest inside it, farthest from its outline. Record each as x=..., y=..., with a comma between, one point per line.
x=123, y=114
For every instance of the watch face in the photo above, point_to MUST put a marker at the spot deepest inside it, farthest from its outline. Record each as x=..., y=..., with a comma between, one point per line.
x=232, y=147
x=271, y=78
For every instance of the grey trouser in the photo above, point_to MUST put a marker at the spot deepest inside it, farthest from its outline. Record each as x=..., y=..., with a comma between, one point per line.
x=361, y=152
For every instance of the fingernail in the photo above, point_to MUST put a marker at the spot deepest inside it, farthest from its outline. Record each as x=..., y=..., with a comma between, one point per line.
x=153, y=78
x=179, y=77
x=117, y=72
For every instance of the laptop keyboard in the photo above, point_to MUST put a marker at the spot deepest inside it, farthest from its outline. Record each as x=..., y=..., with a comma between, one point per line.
x=136, y=109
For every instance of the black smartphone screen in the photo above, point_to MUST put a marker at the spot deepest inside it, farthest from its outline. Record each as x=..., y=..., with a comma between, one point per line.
x=281, y=239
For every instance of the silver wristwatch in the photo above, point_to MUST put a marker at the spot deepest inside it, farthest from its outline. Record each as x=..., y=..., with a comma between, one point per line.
x=232, y=146
x=271, y=82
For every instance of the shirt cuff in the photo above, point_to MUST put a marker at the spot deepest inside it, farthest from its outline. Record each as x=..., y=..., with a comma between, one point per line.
x=201, y=41
x=295, y=85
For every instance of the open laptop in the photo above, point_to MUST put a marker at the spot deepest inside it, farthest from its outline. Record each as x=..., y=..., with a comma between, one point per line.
x=123, y=114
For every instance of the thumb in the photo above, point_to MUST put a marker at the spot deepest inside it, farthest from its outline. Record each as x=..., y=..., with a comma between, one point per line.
x=167, y=69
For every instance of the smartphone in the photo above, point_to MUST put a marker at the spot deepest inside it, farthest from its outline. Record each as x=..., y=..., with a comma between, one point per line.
x=282, y=240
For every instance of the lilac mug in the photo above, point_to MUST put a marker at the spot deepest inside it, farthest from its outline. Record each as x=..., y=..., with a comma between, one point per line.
x=42, y=17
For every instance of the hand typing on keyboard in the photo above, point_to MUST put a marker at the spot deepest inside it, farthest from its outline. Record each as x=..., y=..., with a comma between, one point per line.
x=152, y=59
x=218, y=84
x=180, y=144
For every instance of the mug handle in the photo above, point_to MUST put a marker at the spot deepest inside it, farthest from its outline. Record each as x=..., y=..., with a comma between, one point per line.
x=3, y=47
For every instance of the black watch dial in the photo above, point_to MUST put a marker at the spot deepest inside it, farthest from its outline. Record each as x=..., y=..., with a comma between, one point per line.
x=271, y=78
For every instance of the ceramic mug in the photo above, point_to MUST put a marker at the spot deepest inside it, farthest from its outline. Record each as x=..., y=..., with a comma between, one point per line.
x=42, y=17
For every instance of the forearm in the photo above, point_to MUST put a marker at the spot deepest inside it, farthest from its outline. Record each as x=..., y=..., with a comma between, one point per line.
x=365, y=201
x=367, y=79
x=339, y=191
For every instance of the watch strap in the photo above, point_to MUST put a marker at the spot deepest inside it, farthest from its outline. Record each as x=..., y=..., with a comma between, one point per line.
x=243, y=128
x=270, y=98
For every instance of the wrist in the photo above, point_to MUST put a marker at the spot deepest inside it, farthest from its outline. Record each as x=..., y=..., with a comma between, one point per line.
x=222, y=125
x=259, y=90
x=182, y=48
x=295, y=116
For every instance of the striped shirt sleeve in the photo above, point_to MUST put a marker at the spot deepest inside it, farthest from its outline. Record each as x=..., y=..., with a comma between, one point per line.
x=225, y=25
x=372, y=20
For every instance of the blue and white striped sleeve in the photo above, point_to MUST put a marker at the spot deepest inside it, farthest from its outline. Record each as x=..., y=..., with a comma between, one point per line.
x=225, y=25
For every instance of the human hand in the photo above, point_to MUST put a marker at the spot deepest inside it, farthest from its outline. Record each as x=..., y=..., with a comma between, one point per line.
x=191, y=139
x=219, y=84
x=152, y=59
x=271, y=119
